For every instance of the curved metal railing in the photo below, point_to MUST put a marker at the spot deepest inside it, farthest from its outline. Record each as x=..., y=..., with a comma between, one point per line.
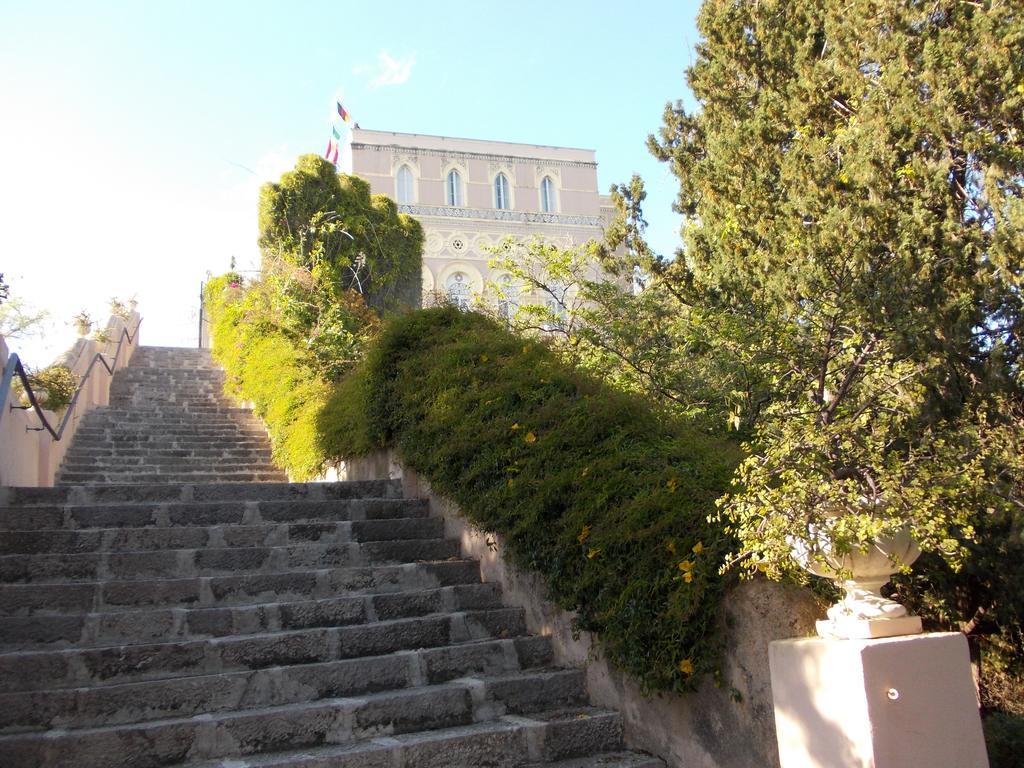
x=15, y=368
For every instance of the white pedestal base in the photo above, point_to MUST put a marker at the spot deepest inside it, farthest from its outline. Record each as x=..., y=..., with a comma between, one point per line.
x=865, y=629
x=900, y=702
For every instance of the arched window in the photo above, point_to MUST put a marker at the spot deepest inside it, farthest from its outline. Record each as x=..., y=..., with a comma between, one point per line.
x=404, y=186
x=508, y=297
x=555, y=303
x=453, y=188
x=547, y=195
x=457, y=288
x=501, y=199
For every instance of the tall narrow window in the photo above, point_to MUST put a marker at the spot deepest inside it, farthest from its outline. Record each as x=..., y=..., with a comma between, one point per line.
x=458, y=290
x=547, y=195
x=501, y=200
x=453, y=188
x=404, y=183
x=558, y=312
x=508, y=298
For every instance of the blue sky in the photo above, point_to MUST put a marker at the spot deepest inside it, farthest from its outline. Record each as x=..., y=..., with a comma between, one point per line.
x=136, y=134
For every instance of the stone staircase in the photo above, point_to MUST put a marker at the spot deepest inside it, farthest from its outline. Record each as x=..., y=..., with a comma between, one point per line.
x=168, y=422
x=263, y=624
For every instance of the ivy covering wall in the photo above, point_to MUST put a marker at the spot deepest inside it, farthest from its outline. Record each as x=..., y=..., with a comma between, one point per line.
x=604, y=496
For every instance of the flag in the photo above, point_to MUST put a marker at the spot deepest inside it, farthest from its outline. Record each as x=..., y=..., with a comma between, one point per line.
x=330, y=148
x=334, y=156
x=342, y=113
x=334, y=130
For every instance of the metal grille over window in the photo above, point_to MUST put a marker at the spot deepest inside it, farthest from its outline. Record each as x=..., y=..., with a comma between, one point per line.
x=501, y=199
x=453, y=188
x=458, y=290
x=508, y=297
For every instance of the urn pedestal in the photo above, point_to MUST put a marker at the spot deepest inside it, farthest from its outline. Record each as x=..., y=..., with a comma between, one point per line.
x=898, y=702
x=863, y=613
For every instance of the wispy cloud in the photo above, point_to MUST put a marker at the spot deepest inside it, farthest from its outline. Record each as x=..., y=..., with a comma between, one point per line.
x=388, y=70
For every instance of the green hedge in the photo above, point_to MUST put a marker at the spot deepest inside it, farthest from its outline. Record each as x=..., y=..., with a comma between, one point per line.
x=264, y=366
x=606, y=498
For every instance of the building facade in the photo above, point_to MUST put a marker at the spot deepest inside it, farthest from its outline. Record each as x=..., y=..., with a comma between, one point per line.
x=471, y=195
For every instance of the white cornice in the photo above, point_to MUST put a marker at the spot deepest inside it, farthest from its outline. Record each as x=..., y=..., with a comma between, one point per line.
x=498, y=158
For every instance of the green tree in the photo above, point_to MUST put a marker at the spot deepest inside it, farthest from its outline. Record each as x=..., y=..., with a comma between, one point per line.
x=329, y=224
x=853, y=186
x=19, y=319
x=334, y=256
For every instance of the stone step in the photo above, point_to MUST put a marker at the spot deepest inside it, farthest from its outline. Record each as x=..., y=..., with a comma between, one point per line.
x=127, y=478
x=152, y=444
x=157, y=442
x=159, y=513
x=332, y=533
x=522, y=687
x=606, y=760
x=146, y=464
x=212, y=561
x=204, y=433
x=448, y=725
x=51, y=630
x=391, y=489
x=507, y=742
x=130, y=427
x=40, y=670
x=247, y=589
x=173, y=467
x=123, y=452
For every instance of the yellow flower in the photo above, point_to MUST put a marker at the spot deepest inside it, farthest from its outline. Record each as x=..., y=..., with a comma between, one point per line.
x=672, y=484
x=484, y=358
x=530, y=437
x=514, y=427
x=687, y=577
x=685, y=566
x=593, y=553
x=671, y=547
x=525, y=349
x=698, y=548
x=583, y=534
x=686, y=667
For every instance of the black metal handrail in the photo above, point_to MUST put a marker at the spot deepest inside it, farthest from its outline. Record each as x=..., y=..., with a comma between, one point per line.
x=14, y=367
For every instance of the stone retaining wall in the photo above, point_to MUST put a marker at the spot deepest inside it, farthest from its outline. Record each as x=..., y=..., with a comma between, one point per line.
x=729, y=726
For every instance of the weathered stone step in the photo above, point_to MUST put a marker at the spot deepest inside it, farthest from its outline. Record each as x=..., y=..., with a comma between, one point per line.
x=168, y=425
x=211, y=561
x=334, y=533
x=48, y=630
x=127, y=478
x=151, y=464
x=139, y=453
x=40, y=670
x=27, y=599
x=225, y=468
x=198, y=447
x=132, y=456
x=111, y=494
x=452, y=725
x=166, y=514
x=521, y=685
x=507, y=742
x=606, y=760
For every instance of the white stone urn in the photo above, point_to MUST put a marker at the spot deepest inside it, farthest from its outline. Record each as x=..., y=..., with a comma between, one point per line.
x=863, y=612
